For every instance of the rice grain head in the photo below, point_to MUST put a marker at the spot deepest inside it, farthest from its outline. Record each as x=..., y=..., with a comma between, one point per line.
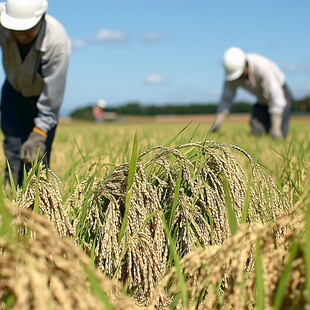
x=43, y=269
x=46, y=184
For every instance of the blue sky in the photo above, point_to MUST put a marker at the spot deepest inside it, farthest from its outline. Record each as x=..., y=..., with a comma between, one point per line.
x=170, y=51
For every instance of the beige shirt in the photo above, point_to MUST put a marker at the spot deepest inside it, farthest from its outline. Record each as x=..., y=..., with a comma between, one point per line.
x=265, y=81
x=43, y=72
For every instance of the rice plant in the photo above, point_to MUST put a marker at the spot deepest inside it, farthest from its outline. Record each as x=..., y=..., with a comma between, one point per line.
x=41, y=269
x=198, y=217
x=138, y=257
x=200, y=225
x=229, y=271
x=41, y=189
x=186, y=185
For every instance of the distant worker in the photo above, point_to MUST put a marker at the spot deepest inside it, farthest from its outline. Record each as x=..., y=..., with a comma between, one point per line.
x=35, y=51
x=98, y=111
x=261, y=77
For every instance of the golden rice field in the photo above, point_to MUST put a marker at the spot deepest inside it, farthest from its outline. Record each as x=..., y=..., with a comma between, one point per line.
x=161, y=214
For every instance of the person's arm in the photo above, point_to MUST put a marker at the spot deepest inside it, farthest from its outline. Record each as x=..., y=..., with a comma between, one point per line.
x=49, y=103
x=224, y=106
x=54, y=71
x=276, y=124
x=48, y=106
x=275, y=95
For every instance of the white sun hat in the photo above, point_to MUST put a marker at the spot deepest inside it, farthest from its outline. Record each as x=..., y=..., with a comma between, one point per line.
x=234, y=62
x=20, y=15
x=101, y=103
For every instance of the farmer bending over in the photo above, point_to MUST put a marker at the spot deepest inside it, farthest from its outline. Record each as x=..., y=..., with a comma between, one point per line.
x=261, y=77
x=36, y=50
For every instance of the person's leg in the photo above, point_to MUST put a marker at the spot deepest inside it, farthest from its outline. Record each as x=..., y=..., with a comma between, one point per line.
x=17, y=121
x=11, y=146
x=260, y=120
x=287, y=111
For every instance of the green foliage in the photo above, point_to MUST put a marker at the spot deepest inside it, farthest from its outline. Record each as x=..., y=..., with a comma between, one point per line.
x=259, y=277
x=138, y=109
x=302, y=105
x=131, y=172
x=83, y=113
x=290, y=158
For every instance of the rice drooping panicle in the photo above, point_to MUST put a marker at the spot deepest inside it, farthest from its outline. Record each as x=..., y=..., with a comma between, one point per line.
x=190, y=187
x=224, y=276
x=41, y=270
x=197, y=173
x=96, y=217
x=138, y=257
x=45, y=185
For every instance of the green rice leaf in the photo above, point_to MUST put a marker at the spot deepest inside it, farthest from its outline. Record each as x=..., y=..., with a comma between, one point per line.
x=233, y=223
x=175, y=197
x=133, y=162
x=6, y=220
x=131, y=173
x=170, y=142
x=246, y=203
x=13, y=187
x=307, y=251
x=181, y=280
x=259, y=279
x=280, y=292
x=96, y=289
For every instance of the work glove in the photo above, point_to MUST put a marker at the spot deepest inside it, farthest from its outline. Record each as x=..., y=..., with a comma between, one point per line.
x=34, y=144
x=257, y=128
x=218, y=122
x=276, y=122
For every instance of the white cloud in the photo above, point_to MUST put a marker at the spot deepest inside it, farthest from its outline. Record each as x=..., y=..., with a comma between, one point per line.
x=76, y=44
x=292, y=68
x=155, y=79
x=106, y=35
x=153, y=37
x=103, y=35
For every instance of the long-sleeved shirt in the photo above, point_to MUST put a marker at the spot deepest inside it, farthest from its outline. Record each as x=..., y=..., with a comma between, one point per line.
x=43, y=72
x=265, y=81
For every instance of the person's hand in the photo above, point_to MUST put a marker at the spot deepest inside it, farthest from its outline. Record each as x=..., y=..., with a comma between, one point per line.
x=276, y=122
x=257, y=128
x=218, y=122
x=34, y=144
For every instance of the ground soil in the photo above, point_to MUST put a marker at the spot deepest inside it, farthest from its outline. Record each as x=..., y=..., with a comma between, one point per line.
x=175, y=119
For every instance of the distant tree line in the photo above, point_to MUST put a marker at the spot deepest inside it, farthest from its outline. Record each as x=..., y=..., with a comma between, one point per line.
x=300, y=106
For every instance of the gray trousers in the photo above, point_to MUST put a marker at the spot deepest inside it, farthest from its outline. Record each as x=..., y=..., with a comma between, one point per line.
x=261, y=121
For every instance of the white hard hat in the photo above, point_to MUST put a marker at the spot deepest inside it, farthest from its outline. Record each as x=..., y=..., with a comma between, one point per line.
x=22, y=15
x=101, y=103
x=234, y=62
